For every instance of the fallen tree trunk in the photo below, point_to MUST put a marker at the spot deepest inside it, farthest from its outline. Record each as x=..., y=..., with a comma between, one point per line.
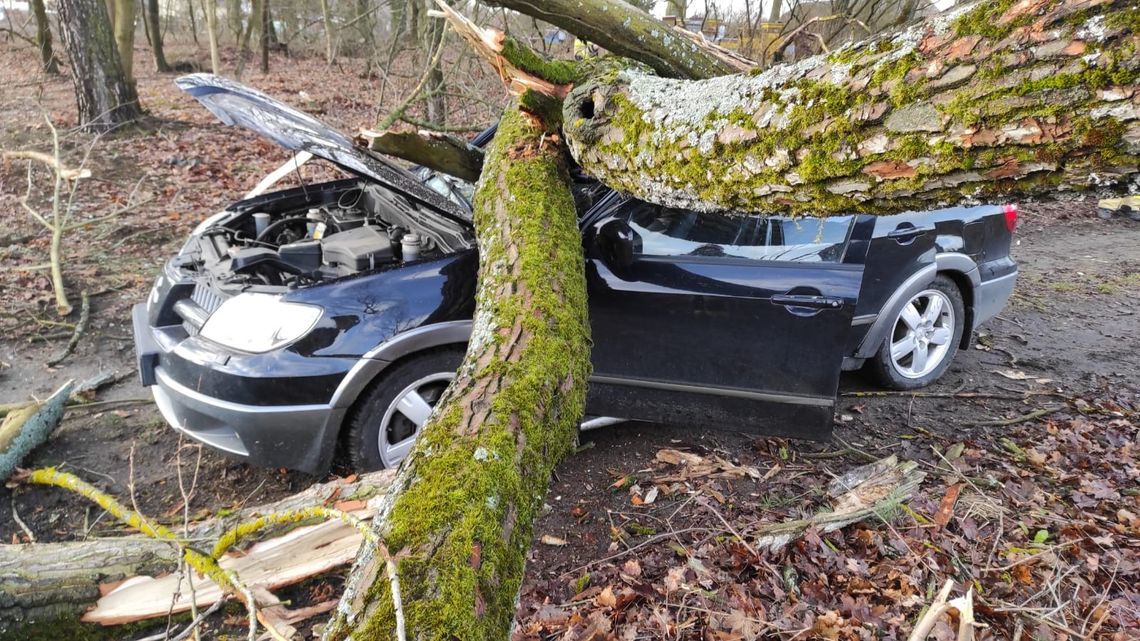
x=627, y=31
x=51, y=581
x=439, y=151
x=48, y=581
x=996, y=100
x=460, y=513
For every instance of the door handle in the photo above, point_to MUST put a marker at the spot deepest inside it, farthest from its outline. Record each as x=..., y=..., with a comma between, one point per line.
x=907, y=233
x=807, y=300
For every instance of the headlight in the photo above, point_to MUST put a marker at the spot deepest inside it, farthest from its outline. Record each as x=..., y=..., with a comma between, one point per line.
x=259, y=323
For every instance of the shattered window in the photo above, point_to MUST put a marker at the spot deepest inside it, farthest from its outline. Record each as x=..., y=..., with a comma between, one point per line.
x=666, y=231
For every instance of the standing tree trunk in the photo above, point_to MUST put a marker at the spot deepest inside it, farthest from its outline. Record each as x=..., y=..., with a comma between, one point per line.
x=263, y=37
x=210, y=8
x=330, y=50
x=156, y=36
x=193, y=22
x=43, y=38
x=434, y=87
x=104, y=95
x=774, y=16
x=124, y=23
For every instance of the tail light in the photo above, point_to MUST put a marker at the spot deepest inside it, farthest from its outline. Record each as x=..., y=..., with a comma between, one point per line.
x=1010, y=217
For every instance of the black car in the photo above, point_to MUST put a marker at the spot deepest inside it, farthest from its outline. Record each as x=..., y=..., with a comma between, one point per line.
x=335, y=314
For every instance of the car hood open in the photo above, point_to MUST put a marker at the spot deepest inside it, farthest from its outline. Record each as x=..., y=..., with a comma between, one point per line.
x=236, y=104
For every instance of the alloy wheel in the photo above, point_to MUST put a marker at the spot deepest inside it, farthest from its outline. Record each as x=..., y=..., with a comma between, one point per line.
x=407, y=414
x=922, y=333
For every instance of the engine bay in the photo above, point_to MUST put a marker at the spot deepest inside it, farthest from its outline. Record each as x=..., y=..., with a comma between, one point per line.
x=320, y=234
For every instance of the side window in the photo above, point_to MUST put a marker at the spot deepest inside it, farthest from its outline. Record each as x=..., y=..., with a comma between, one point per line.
x=664, y=231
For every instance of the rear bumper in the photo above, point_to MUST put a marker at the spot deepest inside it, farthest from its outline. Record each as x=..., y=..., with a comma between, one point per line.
x=299, y=437
x=991, y=296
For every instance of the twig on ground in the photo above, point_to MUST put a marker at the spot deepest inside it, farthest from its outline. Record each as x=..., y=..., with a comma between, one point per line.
x=20, y=522
x=936, y=610
x=77, y=335
x=1039, y=413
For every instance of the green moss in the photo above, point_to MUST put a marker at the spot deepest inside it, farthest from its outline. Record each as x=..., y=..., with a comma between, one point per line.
x=1127, y=20
x=464, y=523
x=66, y=628
x=560, y=72
x=582, y=583
x=984, y=20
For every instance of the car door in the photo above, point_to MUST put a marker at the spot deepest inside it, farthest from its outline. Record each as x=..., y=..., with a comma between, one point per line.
x=714, y=320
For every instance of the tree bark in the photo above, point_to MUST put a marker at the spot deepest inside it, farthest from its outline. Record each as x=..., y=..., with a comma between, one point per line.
x=156, y=36
x=43, y=38
x=263, y=36
x=103, y=93
x=210, y=8
x=326, y=15
x=463, y=503
x=990, y=102
x=193, y=22
x=626, y=31
x=49, y=581
x=442, y=152
x=124, y=24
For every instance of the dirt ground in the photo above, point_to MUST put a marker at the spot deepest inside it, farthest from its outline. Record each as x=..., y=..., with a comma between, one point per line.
x=678, y=566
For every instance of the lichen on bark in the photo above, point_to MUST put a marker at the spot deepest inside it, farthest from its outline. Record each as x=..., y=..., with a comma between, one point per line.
x=460, y=513
x=993, y=99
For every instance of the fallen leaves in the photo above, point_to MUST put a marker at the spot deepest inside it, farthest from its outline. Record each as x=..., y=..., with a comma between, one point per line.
x=1009, y=514
x=696, y=466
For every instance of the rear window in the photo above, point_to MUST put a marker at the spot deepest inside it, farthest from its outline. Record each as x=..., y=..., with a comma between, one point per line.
x=669, y=232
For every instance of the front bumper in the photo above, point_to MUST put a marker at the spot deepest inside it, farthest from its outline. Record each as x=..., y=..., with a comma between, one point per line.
x=299, y=437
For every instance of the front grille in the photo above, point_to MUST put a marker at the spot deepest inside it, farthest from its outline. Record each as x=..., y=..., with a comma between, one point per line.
x=206, y=298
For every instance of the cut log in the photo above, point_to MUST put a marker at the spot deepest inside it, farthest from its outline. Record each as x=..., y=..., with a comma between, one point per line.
x=994, y=101
x=462, y=508
x=52, y=580
x=48, y=581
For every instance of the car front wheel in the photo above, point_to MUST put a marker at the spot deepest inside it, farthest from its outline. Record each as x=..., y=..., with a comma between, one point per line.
x=923, y=339
x=386, y=420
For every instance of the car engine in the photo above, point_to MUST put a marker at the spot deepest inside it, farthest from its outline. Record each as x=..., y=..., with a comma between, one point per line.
x=333, y=235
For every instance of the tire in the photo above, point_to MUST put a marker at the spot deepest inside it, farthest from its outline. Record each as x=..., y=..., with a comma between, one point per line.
x=925, y=340
x=381, y=430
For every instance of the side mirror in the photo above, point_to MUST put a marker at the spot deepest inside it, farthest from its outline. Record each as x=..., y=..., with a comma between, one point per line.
x=617, y=243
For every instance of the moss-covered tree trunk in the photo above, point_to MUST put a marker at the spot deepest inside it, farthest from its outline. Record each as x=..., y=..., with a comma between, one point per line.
x=460, y=513
x=105, y=96
x=997, y=100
